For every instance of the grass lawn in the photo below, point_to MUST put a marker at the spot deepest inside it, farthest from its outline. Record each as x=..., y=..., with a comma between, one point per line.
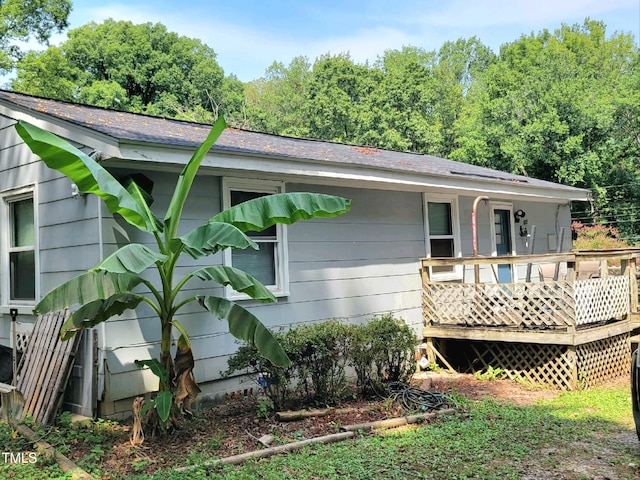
x=579, y=435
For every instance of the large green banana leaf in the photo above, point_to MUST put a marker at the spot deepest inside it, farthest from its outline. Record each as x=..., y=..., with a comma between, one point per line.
x=261, y=213
x=246, y=326
x=93, y=313
x=132, y=258
x=85, y=288
x=212, y=237
x=185, y=180
x=87, y=174
x=239, y=280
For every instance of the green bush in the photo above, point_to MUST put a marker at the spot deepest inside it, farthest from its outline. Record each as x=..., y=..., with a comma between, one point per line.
x=361, y=355
x=382, y=351
x=275, y=381
x=320, y=355
x=379, y=351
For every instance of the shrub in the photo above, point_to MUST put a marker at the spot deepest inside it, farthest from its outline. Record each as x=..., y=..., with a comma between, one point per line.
x=382, y=351
x=320, y=354
x=275, y=381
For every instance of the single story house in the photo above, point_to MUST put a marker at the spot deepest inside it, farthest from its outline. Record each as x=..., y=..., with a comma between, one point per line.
x=405, y=207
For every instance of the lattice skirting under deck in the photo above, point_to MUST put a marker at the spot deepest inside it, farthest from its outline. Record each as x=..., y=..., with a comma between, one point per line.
x=560, y=366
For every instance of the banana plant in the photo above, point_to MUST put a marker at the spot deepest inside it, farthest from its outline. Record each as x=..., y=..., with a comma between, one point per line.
x=117, y=283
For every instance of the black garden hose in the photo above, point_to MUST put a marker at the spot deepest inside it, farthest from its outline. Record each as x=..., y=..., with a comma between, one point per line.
x=412, y=398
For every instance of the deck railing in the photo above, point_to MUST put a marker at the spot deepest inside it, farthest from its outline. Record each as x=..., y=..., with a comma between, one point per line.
x=571, y=301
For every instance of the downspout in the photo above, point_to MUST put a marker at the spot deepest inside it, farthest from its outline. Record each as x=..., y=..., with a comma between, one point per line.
x=474, y=230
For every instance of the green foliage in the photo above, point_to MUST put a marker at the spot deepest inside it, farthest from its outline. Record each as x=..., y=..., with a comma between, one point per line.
x=139, y=68
x=319, y=352
x=265, y=407
x=394, y=346
x=20, y=20
x=596, y=237
x=379, y=351
x=275, y=380
x=491, y=374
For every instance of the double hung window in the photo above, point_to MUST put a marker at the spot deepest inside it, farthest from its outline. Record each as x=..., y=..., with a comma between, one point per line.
x=269, y=263
x=442, y=232
x=19, y=259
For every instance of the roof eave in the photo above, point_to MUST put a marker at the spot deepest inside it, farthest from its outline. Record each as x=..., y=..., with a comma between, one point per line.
x=331, y=172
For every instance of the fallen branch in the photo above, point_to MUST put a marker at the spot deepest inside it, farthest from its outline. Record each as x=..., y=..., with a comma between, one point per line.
x=292, y=415
x=395, y=422
x=267, y=452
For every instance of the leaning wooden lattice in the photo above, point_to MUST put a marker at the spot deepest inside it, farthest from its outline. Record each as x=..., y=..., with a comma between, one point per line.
x=45, y=368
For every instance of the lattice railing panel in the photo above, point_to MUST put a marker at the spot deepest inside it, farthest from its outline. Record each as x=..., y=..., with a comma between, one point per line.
x=603, y=359
x=539, y=364
x=521, y=305
x=599, y=299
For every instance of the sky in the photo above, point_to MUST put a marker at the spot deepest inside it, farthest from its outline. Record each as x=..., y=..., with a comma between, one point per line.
x=248, y=36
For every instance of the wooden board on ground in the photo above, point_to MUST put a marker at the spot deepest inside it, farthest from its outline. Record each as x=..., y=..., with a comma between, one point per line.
x=45, y=368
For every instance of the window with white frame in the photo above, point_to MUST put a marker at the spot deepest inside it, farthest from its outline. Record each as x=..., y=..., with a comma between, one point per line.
x=269, y=263
x=19, y=262
x=443, y=234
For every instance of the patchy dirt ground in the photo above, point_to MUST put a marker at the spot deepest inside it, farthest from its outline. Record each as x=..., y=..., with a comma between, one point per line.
x=236, y=426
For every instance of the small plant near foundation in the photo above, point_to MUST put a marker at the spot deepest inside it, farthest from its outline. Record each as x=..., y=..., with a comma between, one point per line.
x=434, y=367
x=491, y=374
x=582, y=380
x=265, y=407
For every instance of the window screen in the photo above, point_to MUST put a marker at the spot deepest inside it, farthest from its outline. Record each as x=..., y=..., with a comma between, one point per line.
x=22, y=266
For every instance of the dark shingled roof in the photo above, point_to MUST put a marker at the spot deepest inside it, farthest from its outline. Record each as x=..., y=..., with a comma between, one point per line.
x=124, y=126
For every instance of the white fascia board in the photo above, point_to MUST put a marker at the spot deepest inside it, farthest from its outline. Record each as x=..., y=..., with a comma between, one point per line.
x=107, y=145
x=333, y=173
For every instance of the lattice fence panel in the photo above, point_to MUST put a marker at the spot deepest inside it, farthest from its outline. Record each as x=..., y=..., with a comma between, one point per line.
x=540, y=364
x=521, y=305
x=599, y=299
x=603, y=359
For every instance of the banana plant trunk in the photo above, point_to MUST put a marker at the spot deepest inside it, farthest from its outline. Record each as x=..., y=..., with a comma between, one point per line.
x=165, y=356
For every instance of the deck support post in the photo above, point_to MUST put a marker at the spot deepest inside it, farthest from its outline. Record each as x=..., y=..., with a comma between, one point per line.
x=573, y=359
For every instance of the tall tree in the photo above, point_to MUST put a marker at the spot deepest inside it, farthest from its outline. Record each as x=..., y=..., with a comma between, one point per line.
x=336, y=98
x=459, y=64
x=21, y=19
x=547, y=108
x=400, y=108
x=277, y=100
x=140, y=68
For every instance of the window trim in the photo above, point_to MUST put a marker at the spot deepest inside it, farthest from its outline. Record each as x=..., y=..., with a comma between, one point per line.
x=452, y=200
x=281, y=287
x=7, y=197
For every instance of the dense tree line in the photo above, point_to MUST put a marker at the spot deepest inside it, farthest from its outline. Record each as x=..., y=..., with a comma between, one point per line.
x=21, y=20
x=561, y=106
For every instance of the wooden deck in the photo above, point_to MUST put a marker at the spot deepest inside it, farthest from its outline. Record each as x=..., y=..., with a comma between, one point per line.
x=588, y=304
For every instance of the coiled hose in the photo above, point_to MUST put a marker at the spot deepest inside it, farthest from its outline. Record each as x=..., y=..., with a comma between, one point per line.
x=412, y=398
